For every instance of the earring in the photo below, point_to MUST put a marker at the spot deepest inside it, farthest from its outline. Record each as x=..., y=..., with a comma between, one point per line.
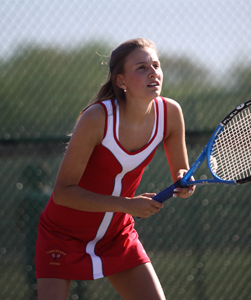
x=125, y=89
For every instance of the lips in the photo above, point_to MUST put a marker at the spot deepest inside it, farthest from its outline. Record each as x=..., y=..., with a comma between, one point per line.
x=153, y=84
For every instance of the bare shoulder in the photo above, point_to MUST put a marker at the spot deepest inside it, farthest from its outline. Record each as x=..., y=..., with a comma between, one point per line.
x=175, y=121
x=92, y=123
x=94, y=113
x=173, y=106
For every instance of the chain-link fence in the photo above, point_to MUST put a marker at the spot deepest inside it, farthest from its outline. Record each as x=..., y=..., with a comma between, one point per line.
x=52, y=61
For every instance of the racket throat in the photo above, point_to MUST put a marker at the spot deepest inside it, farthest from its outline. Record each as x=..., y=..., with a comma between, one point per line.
x=178, y=184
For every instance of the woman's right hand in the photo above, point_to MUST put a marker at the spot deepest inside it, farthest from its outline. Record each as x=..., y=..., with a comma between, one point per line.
x=142, y=206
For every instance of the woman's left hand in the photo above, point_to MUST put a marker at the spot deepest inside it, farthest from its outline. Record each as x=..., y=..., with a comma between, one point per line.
x=186, y=191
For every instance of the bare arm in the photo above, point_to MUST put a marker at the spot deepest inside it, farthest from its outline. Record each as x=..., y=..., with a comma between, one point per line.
x=175, y=146
x=87, y=134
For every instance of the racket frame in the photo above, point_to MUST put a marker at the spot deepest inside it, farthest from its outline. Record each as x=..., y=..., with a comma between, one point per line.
x=205, y=154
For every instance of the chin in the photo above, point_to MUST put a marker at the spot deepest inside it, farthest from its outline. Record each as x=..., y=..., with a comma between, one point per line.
x=156, y=93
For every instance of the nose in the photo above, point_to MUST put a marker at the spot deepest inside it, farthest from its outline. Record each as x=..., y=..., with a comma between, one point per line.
x=153, y=72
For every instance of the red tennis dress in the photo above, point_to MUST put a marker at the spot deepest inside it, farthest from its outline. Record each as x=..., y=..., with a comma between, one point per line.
x=73, y=244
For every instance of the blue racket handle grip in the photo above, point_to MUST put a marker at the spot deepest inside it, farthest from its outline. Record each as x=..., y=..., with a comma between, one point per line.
x=167, y=193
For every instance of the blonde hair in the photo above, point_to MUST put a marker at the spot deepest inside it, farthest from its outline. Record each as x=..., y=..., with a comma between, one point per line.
x=110, y=90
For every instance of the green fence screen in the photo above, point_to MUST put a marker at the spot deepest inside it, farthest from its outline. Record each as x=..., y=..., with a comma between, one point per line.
x=53, y=56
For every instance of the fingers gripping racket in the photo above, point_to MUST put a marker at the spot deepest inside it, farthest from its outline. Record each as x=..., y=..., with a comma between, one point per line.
x=228, y=154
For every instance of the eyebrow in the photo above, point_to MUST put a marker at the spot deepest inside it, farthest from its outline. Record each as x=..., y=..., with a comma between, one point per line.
x=145, y=62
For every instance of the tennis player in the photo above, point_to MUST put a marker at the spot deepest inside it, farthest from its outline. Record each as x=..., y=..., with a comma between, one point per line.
x=87, y=230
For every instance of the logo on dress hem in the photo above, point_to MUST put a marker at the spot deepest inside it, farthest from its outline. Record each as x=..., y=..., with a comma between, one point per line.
x=56, y=256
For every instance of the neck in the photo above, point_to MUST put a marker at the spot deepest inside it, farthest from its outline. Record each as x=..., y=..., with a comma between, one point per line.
x=135, y=112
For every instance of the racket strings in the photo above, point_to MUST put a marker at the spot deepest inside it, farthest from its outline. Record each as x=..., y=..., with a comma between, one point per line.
x=231, y=155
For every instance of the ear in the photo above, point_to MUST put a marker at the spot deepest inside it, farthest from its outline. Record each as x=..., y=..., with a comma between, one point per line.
x=120, y=81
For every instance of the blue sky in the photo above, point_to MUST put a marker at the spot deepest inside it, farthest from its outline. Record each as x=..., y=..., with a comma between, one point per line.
x=215, y=33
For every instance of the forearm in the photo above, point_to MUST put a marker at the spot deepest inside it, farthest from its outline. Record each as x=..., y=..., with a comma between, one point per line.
x=81, y=199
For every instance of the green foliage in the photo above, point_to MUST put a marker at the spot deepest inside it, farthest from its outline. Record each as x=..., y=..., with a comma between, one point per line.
x=42, y=90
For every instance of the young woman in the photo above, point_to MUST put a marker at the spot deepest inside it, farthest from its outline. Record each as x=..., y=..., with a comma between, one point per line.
x=87, y=230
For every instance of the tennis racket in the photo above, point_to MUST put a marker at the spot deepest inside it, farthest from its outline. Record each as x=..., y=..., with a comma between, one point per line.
x=228, y=154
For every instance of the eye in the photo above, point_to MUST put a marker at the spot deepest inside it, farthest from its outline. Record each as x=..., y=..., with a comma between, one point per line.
x=156, y=66
x=141, y=67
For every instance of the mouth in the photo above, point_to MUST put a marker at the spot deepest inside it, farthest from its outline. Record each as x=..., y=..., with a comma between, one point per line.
x=153, y=84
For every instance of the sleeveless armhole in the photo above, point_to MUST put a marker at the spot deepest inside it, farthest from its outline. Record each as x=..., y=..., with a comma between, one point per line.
x=165, y=116
x=106, y=115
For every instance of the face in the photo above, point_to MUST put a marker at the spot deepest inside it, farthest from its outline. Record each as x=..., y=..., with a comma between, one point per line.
x=142, y=75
